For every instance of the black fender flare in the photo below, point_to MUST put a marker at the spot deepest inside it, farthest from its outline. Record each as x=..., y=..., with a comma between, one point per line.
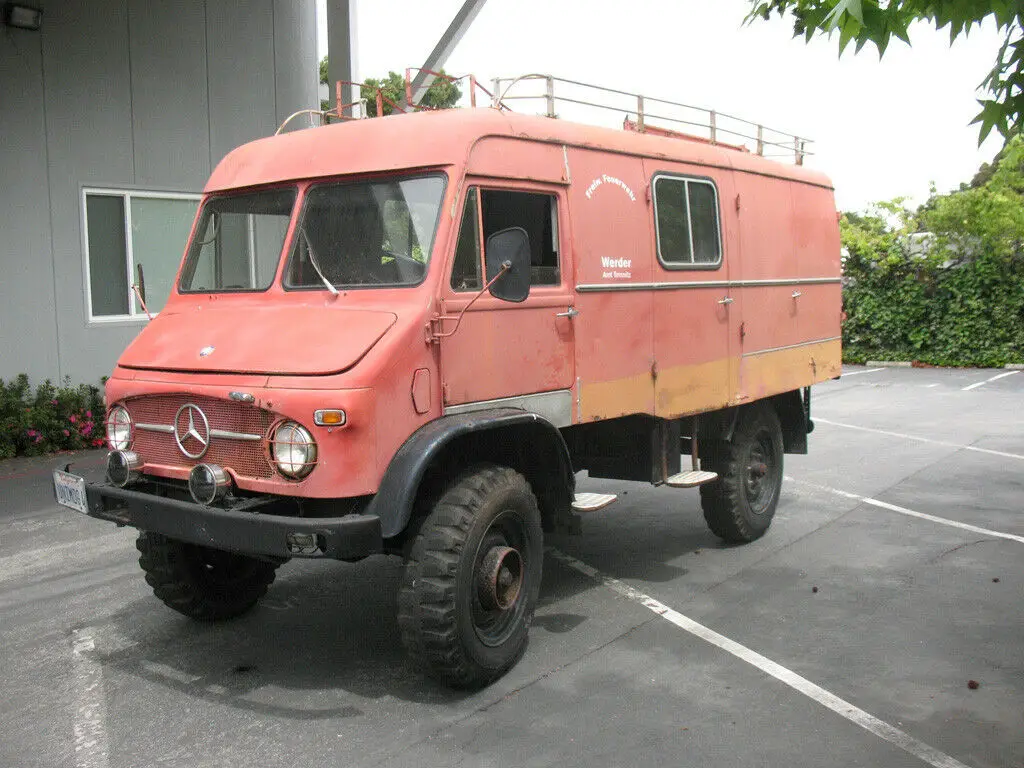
x=393, y=502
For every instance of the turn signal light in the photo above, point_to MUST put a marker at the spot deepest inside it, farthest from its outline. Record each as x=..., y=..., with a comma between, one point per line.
x=330, y=418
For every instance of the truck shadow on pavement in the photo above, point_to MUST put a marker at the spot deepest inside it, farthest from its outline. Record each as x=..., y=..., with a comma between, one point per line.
x=324, y=642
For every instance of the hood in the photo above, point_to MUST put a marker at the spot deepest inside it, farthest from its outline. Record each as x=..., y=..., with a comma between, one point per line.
x=296, y=341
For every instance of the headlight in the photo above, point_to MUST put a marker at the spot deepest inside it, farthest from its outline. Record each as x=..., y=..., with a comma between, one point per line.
x=293, y=450
x=119, y=428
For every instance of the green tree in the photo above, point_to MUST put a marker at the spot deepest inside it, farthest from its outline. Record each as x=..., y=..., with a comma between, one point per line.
x=878, y=21
x=442, y=94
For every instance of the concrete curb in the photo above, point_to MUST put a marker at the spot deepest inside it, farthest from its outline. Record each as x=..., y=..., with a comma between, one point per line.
x=908, y=364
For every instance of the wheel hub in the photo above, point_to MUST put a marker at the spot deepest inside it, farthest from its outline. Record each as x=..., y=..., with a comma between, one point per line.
x=500, y=578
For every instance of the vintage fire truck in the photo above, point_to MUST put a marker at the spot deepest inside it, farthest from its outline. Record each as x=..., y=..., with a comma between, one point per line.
x=407, y=335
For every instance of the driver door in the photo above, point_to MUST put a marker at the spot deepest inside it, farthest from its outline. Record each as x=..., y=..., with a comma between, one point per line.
x=504, y=353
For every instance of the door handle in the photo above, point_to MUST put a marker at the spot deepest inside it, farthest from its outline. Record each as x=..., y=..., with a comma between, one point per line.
x=797, y=294
x=571, y=312
x=726, y=300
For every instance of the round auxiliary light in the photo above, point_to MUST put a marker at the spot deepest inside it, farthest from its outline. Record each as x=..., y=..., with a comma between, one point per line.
x=119, y=428
x=293, y=450
x=123, y=468
x=208, y=483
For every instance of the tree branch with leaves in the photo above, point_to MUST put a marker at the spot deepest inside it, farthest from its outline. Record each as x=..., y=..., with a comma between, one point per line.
x=878, y=21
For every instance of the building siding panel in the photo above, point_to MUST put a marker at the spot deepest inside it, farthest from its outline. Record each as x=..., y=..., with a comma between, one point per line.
x=28, y=340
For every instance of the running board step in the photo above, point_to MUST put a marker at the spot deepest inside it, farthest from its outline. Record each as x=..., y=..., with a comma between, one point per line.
x=591, y=502
x=691, y=479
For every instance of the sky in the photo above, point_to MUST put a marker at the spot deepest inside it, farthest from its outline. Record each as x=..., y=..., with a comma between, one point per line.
x=880, y=128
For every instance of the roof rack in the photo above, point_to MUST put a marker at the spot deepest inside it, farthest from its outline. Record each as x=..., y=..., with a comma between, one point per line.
x=767, y=142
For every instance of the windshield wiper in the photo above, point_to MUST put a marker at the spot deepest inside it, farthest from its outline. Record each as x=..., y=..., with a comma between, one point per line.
x=312, y=260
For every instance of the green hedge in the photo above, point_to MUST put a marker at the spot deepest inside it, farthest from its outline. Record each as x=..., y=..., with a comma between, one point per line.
x=50, y=418
x=954, y=297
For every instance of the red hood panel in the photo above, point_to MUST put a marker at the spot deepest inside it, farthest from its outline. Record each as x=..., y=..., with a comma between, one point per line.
x=298, y=341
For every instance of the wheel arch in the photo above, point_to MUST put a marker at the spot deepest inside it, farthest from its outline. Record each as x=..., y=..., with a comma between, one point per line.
x=794, y=419
x=440, y=450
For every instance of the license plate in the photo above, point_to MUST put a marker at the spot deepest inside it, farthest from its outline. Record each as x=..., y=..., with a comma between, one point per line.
x=70, y=490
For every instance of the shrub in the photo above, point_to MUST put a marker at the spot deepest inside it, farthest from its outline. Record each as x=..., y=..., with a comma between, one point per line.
x=50, y=418
x=954, y=297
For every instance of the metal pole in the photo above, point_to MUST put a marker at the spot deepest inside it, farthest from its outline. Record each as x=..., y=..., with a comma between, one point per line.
x=550, y=97
x=640, y=112
x=435, y=61
x=341, y=47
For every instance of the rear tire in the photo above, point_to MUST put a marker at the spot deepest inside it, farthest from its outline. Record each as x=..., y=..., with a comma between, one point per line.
x=472, y=577
x=740, y=505
x=199, y=582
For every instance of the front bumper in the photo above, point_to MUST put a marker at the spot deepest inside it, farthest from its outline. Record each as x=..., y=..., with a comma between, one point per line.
x=244, y=531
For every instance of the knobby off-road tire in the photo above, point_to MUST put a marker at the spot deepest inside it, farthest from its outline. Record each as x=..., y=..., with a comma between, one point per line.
x=471, y=580
x=740, y=505
x=202, y=583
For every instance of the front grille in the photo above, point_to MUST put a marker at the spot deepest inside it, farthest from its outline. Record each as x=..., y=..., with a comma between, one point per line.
x=247, y=458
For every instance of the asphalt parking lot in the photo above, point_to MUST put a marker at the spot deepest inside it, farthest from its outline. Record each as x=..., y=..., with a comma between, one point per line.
x=847, y=636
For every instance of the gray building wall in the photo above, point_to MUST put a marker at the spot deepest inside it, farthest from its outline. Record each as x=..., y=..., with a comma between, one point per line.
x=124, y=94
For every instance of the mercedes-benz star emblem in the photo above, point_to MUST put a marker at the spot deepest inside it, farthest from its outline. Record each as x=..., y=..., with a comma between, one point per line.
x=191, y=427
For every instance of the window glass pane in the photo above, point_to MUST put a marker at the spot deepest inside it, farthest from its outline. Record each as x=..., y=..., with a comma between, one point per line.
x=238, y=242
x=673, y=226
x=160, y=228
x=366, y=233
x=536, y=213
x=466, y=271
x=704, y=217
x=108, y=257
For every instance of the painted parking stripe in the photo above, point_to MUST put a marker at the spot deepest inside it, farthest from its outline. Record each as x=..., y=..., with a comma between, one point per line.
x=858, y=373
x=841, y=707
x=958, y=446
x=910, y=512
x=90, y=725
x=986, y=381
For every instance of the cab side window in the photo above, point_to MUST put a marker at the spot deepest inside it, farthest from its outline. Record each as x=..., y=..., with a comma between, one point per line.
x=538, y=215
x=686, y=216
x=535, y=212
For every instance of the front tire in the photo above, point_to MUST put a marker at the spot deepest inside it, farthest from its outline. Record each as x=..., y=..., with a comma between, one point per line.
x=472, y=577
x=740, y=505
x=199, y=582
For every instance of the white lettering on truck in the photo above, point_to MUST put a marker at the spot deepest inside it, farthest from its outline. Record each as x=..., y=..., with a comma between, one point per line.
x=616, y=269
x=604, y=178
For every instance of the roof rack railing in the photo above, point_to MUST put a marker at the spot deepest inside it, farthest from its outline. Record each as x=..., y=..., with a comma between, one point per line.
x=767, y=142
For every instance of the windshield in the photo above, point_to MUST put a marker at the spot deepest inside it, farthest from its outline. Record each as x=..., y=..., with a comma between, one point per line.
x=365, y=234
x=237, y=245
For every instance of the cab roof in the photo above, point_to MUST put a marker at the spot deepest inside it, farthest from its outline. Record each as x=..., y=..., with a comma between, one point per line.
x=433, y=139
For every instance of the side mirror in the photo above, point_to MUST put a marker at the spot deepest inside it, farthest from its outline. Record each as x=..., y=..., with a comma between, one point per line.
x=510, y=245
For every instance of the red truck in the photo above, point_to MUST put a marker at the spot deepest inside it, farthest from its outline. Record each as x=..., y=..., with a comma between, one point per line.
x=406, y=336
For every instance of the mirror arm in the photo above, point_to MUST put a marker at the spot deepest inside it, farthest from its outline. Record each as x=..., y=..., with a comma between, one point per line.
x=505, y=267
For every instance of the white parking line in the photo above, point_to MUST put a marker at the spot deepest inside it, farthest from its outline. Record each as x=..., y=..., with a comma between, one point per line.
x=958, y=446
x=986, y=381
x=858, y=373
x=910, y=512
x=90, y=724
x=827, y=699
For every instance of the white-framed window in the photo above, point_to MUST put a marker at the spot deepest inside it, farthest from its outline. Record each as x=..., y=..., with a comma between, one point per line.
x=125, y=229
x=686, y=222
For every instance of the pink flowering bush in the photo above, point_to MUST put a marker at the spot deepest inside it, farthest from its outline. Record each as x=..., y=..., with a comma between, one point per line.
x=50, y=418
